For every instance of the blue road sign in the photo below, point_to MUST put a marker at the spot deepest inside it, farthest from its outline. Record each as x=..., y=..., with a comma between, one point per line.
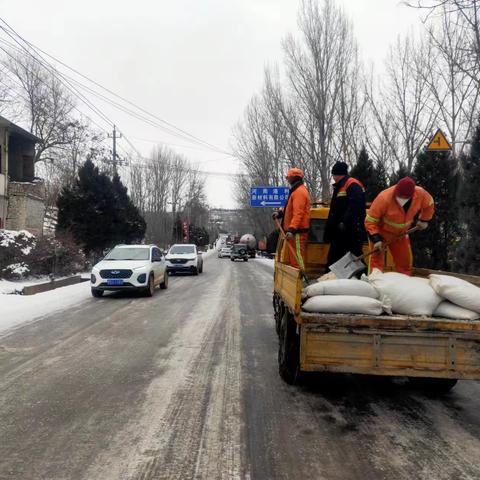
x=268, y=197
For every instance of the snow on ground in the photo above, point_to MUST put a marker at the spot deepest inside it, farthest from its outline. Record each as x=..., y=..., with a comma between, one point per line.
x=17, y=286
x=17, y=309
x=270, y=262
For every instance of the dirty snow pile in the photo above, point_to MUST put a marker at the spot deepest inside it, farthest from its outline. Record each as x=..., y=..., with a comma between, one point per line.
x=343, y=296
x=395, y=293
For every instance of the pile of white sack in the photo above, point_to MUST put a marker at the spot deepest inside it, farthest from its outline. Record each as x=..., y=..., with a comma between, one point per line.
x=394, y=293
x=342, y=296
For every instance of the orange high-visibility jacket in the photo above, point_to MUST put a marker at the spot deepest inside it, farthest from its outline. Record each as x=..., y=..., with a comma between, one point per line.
x=296, y=216
x=386, y=215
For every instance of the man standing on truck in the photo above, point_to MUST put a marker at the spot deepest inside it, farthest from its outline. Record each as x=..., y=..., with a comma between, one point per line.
x=296, y=219
x=392, y=214
x=345, y=229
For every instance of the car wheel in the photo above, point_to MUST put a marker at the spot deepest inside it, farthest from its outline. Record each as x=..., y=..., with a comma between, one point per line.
x=150, y=290
x=97, y=293
x=245, y=259
x=195, y=271
x=164, y=284
x=201, y=268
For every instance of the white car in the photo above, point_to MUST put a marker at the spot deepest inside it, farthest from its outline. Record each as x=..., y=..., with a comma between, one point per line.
x=130, y=267
x=224, y=252
x=184, y=257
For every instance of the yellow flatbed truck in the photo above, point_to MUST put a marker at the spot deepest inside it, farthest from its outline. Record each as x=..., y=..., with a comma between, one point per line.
x=432, y=351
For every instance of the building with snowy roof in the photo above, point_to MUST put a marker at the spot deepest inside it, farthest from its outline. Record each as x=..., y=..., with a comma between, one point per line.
x=22, y=195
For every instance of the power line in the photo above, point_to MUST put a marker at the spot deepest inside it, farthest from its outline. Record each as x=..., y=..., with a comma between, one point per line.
x=191, y=136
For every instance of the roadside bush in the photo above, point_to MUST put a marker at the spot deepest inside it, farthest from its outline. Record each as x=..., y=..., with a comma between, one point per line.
x=22, y=255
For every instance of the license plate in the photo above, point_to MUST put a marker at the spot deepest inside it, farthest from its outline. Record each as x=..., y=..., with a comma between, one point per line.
x=115, y=282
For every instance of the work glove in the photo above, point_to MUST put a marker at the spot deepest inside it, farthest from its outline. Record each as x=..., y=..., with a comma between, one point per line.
x=275, y=215
x=289, y=235
x=422, y=225
x=378, y=245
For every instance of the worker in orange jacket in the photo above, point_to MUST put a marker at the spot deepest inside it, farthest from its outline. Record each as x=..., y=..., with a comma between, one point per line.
x=392, y=213
x=296, y=219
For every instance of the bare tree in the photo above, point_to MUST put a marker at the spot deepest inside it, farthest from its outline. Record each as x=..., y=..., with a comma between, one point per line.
x=47, y=105
x=465, y=14
x=402, y=110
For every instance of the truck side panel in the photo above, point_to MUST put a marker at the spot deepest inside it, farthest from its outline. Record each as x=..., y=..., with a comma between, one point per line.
x=390, y=353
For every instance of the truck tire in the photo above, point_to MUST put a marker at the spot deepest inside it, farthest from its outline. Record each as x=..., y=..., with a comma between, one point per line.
x=277, y=312
x=437, y=386
x=289, y=350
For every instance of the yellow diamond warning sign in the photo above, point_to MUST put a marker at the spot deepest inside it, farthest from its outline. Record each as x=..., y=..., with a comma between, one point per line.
x=439, y=143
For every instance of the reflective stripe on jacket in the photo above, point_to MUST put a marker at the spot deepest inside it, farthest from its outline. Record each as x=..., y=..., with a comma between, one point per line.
x=343, y=190
x=387, y=215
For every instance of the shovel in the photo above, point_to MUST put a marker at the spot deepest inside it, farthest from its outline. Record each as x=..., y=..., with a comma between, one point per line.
x=350, y=265
x=293, y=252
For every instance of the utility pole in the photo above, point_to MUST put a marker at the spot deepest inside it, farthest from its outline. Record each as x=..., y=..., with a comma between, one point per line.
x=114, y=136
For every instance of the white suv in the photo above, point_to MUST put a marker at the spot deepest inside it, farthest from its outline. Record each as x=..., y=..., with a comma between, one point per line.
x=130, y=267
x=184, y=258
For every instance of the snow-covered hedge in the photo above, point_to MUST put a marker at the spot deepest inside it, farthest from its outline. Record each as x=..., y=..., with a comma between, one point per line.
x=22, y=255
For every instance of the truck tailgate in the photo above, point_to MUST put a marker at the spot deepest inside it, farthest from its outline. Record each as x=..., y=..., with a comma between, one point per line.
x=394, y=346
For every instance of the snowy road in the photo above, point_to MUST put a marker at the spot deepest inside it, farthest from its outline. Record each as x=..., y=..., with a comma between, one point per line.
x=184, y=386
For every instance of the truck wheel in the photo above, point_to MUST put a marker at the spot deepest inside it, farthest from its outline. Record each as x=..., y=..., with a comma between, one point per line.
x=437, y=386
x=277, y=313
x=289, y=350
x=97, y=293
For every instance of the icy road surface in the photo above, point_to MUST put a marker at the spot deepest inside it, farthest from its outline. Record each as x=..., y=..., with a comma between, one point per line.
x=185, y=386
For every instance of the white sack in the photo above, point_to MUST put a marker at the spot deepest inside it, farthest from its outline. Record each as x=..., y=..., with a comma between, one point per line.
x=343, y=304
x=408, y=295
x=340, y=287
x=450, y=310
x=456, y=290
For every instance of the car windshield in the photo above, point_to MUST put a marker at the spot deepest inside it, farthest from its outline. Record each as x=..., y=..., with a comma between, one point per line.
x=180, y=249
x=132, y=253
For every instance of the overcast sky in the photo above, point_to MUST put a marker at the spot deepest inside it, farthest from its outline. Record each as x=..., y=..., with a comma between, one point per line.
x=195, y=63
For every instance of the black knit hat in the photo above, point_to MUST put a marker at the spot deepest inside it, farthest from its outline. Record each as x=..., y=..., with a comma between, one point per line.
x=340, y=168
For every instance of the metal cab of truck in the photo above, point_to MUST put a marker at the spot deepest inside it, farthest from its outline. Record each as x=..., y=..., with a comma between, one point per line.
x=432, y=352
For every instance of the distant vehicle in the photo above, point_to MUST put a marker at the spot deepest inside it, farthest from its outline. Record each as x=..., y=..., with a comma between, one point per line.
x=184, y=258
x=130, y=267
x=239, y=252
x=224, y=252
x=251, y=242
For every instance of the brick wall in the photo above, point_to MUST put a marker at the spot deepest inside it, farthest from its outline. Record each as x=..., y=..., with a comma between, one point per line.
x=26, y=207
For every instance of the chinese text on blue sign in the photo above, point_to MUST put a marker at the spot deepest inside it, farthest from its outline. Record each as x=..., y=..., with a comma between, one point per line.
x=268, y=196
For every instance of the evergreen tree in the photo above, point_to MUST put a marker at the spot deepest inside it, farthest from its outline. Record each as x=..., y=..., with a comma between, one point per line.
x=372, y=176
x=437, y=172
x=96, y=212
x=177, y=233
x=400, y=173
x=198, y=235
x=131, y=225
x=468, y=254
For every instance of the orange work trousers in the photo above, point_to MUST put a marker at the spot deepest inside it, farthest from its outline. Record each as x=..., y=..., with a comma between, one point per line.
x=401, y=251
x=299, y=245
